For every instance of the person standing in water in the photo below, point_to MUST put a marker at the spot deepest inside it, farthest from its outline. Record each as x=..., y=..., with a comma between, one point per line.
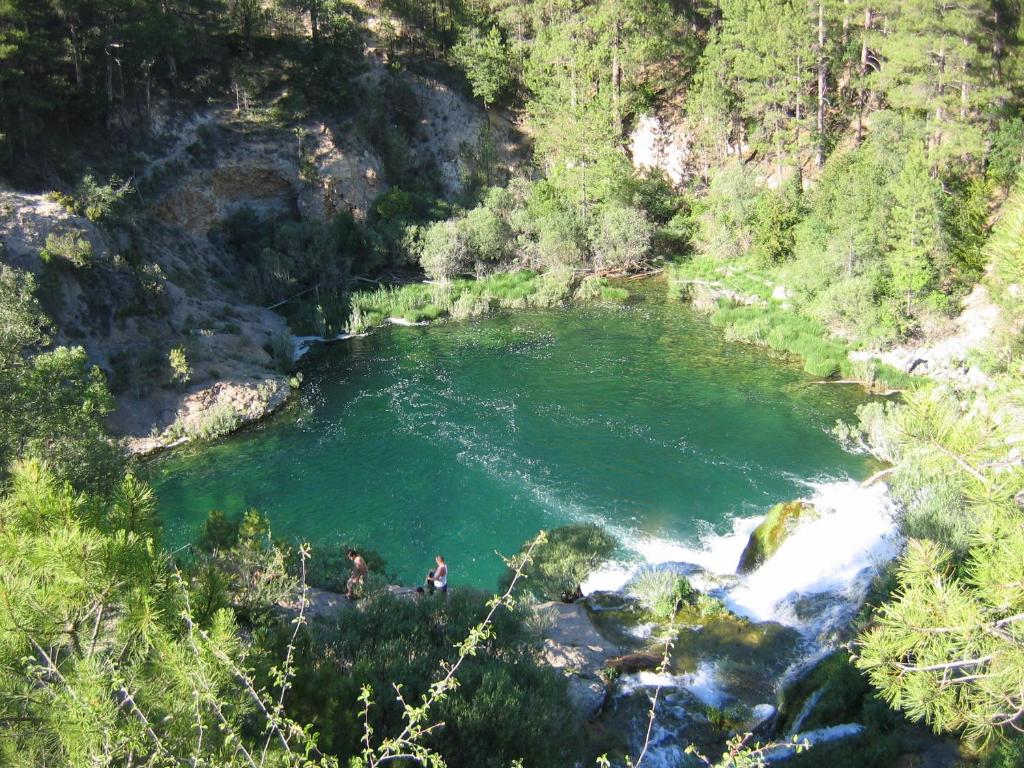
x=358, y=575
x=437, y=579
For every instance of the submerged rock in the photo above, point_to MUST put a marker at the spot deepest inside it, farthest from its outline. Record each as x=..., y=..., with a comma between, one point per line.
x=766, y=539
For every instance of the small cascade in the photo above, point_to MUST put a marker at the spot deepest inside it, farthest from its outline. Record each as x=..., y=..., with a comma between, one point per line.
x=799, y=603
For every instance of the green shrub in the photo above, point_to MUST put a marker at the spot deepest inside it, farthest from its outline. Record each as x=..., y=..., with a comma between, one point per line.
x=709, y=607
x=392, y=640
x=71, y=247
x=217, y=421
x=181, y=371
x=661, y=592
x=621, y=238
x=1005, y=753
x=238, y=555
x=570, y=554
x=552, y=288
x=446, y=250
x=97, y=202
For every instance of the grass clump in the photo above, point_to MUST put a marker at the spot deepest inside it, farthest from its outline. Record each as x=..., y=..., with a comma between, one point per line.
x=598, y=289
x=414, y=303
x=561, y=565
x=662, y=593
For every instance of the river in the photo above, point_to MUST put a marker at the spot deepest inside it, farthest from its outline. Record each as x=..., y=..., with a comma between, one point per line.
x=466, y=438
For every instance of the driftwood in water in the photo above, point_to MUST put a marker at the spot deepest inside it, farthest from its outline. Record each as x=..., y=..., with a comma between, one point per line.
x=881, y=474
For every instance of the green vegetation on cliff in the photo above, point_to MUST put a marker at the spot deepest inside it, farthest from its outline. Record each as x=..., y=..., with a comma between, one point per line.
x=844, y=164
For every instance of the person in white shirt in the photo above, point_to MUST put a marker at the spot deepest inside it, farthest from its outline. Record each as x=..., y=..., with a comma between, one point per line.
x=437, y=579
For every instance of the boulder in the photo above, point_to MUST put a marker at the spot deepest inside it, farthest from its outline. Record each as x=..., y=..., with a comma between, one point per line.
x=571, y=644
x=766, y=539
x=587, y=695
x=570, y=640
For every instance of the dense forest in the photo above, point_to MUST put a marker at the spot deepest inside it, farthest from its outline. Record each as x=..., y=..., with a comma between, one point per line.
x=850, y=175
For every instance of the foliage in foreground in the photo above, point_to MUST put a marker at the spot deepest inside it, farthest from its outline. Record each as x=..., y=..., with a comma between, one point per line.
x=948, y=647
x=99, y=645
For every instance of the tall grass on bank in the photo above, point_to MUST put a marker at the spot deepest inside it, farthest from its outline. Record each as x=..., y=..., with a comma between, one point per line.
x=824, y=356
x=768, y=323
x=463, y=299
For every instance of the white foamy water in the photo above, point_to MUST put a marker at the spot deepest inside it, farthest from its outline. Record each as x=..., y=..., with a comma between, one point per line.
x=703, y=683
x=814, y=583
x=833, y=556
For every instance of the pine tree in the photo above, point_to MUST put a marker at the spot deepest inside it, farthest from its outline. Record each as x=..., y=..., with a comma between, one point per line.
x=917, y=235
x=936, y=61
x=770, y=47
x=948, y=648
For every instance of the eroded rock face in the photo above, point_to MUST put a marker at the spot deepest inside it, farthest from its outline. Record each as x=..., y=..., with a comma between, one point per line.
x=766, y=539
x=654, y=143
x=313, y=172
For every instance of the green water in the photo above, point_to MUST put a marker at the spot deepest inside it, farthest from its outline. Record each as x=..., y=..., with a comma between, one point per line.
x=466, y=438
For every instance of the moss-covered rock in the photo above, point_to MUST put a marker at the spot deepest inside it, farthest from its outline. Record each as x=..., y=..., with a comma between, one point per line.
x=766, y=539
x=829, y=693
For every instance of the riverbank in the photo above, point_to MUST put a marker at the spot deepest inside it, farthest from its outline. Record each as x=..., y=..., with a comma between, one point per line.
x=752, y=310
x=224, y=407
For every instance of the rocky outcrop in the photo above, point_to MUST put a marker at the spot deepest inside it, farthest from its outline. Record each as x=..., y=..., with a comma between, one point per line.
x=570, y=643
x=312, y=171
x=134, y=293
x=946, y=353
x=656, y=143
x=782, y=520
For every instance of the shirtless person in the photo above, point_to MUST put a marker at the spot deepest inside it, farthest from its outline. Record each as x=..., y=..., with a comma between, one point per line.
x=359, y=573
x=438, y=578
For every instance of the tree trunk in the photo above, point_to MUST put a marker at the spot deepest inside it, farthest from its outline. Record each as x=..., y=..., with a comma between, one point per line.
x=822, y=82
x=863, y=93
x=864, y=42
x=110, y=78
x=172, y=70
x=965, y=87
x=76, y=54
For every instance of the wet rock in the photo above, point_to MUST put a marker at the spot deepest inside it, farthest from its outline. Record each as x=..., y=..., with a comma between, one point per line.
x=822, y=694
x=766, y=539
x=611, y=601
